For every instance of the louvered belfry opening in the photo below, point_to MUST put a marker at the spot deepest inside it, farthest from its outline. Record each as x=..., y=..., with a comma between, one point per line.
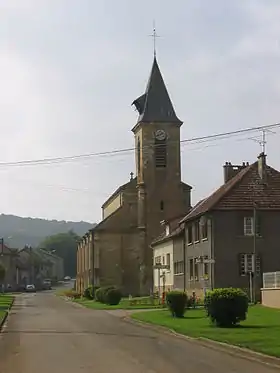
x=160, y=153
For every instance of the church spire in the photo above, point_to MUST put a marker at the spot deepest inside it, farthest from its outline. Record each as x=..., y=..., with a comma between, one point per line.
x=155, y=104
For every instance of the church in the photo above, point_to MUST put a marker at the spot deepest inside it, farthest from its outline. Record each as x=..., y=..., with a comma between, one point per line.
x=117, y=251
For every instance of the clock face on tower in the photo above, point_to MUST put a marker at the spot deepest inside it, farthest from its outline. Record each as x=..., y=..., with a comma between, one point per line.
x=160, y=135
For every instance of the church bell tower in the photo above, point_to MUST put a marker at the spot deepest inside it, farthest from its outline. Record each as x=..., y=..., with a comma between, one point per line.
x=161, y=193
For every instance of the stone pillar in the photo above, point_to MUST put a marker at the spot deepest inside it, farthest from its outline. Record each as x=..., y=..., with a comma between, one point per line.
x=142, y=239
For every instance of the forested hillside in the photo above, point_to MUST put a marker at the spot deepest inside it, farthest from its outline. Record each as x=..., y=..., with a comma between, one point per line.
x=18, y=231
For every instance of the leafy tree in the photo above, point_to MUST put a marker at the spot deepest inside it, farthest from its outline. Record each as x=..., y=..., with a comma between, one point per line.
x=64, y=245
x=2, y=272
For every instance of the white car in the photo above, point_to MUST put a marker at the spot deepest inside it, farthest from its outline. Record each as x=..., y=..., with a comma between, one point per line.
x=30, y=288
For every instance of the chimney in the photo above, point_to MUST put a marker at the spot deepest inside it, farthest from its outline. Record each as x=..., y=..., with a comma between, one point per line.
x=262, y=166
x=231, y=170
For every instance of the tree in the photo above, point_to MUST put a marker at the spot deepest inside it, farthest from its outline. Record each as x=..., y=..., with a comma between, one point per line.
x=64, y=246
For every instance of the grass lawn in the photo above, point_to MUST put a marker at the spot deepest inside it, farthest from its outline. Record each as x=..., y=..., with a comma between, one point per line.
x=124, y=304
x=260, y=332
x=5, y=302
x=6, y=299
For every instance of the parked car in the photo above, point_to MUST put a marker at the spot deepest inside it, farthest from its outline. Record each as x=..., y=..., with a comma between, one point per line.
x=47, y=285
x=30, y=288
x=67, y=278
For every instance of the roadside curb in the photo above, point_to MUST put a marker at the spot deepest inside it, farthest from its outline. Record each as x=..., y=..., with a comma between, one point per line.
x=3, y=321
x=235, y=351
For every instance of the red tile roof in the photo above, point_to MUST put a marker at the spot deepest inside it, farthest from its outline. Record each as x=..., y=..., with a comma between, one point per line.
x=242, y=192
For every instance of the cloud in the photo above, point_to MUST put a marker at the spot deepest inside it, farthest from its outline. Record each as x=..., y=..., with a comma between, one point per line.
x=69, y=71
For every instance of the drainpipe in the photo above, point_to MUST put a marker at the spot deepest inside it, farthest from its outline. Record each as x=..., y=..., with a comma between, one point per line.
x=212, y=254
x=92, y=261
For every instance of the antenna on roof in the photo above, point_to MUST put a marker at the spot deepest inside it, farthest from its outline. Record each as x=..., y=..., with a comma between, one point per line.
x=262, y=142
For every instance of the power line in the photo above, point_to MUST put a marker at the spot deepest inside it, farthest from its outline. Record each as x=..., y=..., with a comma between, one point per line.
x=201, y=139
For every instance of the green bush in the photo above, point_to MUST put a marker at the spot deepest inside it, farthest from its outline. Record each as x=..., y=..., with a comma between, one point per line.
x=101, y=293
x=97, y=295
x=88, y=293
x=113, y=297
x=177, y=302
x=226, y=307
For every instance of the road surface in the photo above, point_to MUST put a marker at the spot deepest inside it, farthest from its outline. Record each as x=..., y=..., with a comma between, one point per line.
x=46, y=334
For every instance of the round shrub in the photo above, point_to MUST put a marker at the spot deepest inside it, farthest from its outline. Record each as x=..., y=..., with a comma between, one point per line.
x=101, y=293
x=98, y=295
x=226, y=307
x=88, y=293
x=94, y=288
x=177, y=302
x=113, y=297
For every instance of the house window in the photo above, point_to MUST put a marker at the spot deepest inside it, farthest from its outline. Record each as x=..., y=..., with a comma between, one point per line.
x=163, y=260
x=158, y=260
x=196, y=274
x=168, y=259
x=190, y=234
x=249, y=226
x=160, y=153
x=206, y=266
x=246, y=264
x=191, y=268
x=204, y=230
x=196, y=231
x=178, y=268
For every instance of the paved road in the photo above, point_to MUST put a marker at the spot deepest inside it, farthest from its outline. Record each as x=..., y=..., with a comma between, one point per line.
x=46, y=334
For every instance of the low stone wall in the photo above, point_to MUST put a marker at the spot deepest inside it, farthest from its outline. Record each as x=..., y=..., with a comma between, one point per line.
x=271, y=297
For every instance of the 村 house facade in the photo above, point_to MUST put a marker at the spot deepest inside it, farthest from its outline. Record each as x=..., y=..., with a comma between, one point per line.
x=234, y=233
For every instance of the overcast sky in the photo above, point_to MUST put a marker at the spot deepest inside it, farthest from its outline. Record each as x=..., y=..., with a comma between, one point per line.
x=69, y=70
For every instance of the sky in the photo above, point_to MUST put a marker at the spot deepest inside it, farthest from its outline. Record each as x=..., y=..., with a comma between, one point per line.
x=70, y=69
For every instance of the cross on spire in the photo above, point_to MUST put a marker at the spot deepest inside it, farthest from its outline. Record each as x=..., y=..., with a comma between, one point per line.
x=154, y=36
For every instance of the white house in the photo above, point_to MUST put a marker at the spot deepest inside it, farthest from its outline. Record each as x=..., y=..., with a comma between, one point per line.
x=163, y=279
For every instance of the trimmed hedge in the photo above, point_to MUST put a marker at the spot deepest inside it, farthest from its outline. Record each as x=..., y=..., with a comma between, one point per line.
x=108, y=295
x=226, y=307
x=177, y=303
x=113, y=297
x=101, y=293
x=88, y=293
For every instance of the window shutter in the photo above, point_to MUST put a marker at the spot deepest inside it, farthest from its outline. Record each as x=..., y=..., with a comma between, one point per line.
x=258, y=264
x=258, y=223
x=240, y=224
x=239, y=257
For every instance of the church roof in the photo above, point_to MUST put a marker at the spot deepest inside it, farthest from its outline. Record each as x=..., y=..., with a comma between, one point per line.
x=155, y=104
x=120, y=189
